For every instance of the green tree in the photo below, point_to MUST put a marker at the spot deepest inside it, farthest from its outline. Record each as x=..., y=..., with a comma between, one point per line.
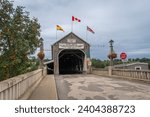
x=19, y=37
x=98, y=63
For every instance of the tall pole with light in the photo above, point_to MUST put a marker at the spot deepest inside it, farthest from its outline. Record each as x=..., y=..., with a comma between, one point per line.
x=111, y=54
x=41, y=54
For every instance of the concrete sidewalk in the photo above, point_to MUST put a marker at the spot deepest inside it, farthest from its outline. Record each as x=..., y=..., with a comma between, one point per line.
x=46, y=90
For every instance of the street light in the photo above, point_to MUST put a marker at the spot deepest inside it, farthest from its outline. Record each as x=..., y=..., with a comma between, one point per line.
x=111, y=54
x=41, y=44
x=41, y=54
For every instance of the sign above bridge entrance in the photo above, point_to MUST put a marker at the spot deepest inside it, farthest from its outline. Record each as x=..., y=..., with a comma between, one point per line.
x=71, y=46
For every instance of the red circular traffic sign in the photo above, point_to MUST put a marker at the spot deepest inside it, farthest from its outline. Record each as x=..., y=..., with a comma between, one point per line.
x=123, y=55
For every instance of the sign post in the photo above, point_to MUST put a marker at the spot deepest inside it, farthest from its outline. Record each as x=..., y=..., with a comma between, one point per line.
x=123, y=56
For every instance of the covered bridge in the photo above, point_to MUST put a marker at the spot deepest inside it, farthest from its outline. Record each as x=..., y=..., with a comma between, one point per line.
x=70, y=55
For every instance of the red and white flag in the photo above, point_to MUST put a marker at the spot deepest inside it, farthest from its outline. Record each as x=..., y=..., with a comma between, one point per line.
x=75, y=19
x=89, y=29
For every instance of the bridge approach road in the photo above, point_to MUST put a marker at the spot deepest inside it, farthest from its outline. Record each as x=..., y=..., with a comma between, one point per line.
x=93, y=87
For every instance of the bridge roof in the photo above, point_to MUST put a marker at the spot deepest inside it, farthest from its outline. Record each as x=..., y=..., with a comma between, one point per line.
x=51, y=61
x=72, y=34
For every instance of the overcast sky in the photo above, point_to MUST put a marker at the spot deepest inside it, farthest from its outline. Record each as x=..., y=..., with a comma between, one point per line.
x=127, y=22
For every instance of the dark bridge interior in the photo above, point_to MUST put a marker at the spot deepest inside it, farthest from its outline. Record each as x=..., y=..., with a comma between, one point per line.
x=50, y=68
x=71, y=62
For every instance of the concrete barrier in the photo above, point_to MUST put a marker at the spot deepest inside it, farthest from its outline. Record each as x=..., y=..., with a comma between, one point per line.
x=143, y=75
x=21, y=87
x=99, y=71
x=134, y=74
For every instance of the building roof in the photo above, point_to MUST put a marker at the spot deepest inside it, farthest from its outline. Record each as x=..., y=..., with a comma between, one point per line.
x=51, y=61
x=72, y=34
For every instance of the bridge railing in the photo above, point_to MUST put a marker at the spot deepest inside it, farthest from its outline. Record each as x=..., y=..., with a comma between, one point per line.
x=137, y=74
x=125, y=73
x=15, y=88
x=100, y=71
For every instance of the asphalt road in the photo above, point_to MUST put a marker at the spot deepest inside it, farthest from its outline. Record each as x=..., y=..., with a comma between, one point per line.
x=92, y=87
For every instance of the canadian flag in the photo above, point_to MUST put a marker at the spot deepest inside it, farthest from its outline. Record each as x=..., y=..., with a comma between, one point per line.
x=75, y=19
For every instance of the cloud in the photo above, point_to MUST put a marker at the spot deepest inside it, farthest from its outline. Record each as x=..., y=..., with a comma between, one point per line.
x=127, y=22
x=140, y=51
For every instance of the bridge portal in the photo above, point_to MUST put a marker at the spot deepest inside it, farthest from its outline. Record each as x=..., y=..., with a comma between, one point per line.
x=71, y=61
x=71, y=55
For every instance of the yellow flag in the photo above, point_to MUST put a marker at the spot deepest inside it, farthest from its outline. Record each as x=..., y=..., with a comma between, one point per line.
x=59, y=28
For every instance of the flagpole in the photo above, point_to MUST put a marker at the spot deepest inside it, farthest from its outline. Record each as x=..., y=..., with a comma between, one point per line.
x=56, y=34
x=71, y=25
x=86, y=34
